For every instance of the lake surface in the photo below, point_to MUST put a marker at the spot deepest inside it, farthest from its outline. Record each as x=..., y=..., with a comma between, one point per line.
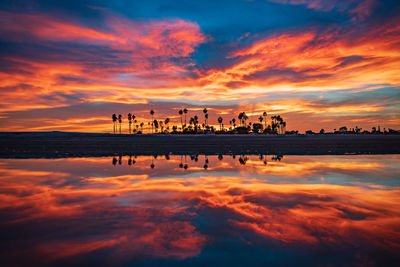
x=201, y=210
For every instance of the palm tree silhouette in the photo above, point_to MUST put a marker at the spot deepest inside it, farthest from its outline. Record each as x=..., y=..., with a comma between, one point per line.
x=120, y=122
x=234, y=122
x=265, y=119
x=133, y=120
x=180, y=113
x=274, y=124
x=205, y=115
x=155, y=122
x=240, y=117
x=185, y=111
x=245, y=118
x=195, y=122
x=114, y=119
x=220, y=122
x=166, y=123
x=260, y=119
x=130, y=121
x=152, y=119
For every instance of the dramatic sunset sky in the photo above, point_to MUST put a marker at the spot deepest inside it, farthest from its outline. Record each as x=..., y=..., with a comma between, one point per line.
x=68, y=65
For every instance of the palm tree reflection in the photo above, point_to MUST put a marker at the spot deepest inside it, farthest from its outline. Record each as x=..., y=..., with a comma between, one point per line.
x=152, y=161
x=243, y=159
x=205, y=162
x=277, y=158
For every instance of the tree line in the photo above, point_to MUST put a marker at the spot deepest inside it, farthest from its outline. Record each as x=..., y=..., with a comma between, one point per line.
x=193, y=125
x=275, y=124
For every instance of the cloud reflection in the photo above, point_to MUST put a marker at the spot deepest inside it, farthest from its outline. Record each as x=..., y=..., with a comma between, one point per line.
x=127, y=213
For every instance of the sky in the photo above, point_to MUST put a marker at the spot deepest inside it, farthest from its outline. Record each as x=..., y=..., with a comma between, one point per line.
x=69, y=65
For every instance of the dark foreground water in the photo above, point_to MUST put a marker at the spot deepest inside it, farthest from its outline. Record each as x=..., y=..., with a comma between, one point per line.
x=199, y=210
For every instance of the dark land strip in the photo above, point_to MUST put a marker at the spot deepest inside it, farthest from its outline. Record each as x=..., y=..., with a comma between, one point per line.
x=60, y=144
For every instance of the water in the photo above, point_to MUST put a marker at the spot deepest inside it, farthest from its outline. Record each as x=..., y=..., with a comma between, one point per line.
x=174, y=210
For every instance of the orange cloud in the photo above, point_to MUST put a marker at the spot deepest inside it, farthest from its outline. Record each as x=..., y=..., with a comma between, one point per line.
x=311, y=61
x=131, y=62
x=139, y=53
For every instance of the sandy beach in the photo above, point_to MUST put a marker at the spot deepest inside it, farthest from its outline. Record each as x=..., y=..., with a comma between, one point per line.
x=59, y=144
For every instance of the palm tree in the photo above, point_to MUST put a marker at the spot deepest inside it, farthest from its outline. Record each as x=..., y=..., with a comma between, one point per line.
x=155, y=122
x=205, y=115
x=245, y=118
x=180, y=113
x=265, y=119
x=130, y=121
x=120, y=122
x=166, y=123
x=152, y=119
x=240, y=117
x=274, y=123
x=260, y=119
x=195, y=122
x=114, y=119
x=234, y=122
x=133, y=120
x=279, y=123
x=185, y=111
x=220, y=122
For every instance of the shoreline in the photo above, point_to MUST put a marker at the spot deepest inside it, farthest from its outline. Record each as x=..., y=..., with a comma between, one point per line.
x=67, y=144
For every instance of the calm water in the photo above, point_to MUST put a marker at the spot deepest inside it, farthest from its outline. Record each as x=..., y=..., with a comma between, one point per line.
x=215, y=210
